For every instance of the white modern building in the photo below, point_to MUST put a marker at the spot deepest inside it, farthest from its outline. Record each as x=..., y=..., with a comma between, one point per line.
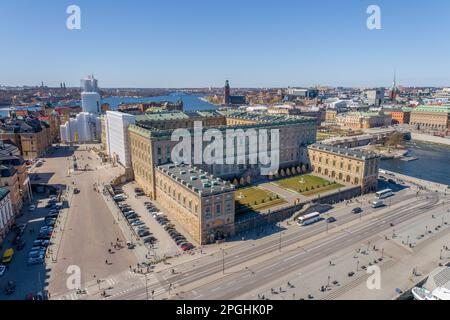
x=6, y=213
x=116, y=124
x=86, y=127
x=90, y=102
x=89, y=84
x=90, y=97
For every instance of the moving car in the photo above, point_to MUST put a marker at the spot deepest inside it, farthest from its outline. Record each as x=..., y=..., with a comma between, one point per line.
x=331, y=219
x=377, y=204
x=357, y=210
x=150, y=239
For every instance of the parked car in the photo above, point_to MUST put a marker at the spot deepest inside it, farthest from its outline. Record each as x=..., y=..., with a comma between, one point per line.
x=143, y=233
x=38, y=248
x=52, y=215
x=180, y=242
x=44, y=236
x=36, y=254
x=138, y=223
x=35, y=261
x=187, y=247
x=41, y=243
x=50, y=223
x=131, y=221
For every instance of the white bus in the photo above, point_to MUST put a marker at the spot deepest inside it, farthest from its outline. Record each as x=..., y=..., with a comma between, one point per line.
x=384, y=194
x=309, y=219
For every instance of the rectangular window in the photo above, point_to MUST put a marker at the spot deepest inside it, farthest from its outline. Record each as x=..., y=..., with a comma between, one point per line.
x=218, y=209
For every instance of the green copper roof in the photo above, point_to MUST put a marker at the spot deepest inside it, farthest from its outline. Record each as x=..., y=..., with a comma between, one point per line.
x=443, y=108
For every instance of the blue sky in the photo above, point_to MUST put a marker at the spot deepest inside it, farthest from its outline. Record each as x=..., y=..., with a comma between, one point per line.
x=268, y=43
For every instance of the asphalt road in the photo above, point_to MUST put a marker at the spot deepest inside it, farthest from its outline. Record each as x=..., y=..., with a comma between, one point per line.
x=190, y=273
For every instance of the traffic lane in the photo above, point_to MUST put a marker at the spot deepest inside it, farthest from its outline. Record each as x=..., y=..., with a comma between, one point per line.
x=251, y=251
x=312, y=254
x=195, y=274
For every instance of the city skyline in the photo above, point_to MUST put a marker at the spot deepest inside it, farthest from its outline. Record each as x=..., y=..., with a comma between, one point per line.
x=179, y=45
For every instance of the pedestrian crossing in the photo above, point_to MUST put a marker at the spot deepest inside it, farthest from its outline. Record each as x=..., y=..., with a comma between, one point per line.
x=125, y=283
x=74, y=295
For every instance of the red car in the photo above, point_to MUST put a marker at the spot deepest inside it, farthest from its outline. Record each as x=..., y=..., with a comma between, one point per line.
x=187, y=247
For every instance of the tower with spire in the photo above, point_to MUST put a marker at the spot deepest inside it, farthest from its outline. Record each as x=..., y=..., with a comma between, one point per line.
x=227, y=99
x=394, y=90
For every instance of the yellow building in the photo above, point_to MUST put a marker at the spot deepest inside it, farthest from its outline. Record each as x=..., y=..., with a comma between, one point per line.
x=32, y=139
x=9, y=180
x=201, y=203
x=347, y=166
x=431, y=118
x=35, y=144
x=151, y=145
x=363, y=120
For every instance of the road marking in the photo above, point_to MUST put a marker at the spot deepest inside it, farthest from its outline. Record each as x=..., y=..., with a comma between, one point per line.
x=111, y=282
x=294, y=256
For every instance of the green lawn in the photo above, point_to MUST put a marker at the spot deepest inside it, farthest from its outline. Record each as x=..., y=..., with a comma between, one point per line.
x=308, y=185
x=256, y=199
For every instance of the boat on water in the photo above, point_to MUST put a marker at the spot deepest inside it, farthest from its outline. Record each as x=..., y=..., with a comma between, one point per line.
x=437, y=294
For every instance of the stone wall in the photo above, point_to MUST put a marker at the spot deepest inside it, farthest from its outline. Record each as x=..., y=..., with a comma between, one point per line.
x=260, y=221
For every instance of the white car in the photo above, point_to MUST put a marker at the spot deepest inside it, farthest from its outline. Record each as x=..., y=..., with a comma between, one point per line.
x=2, y=270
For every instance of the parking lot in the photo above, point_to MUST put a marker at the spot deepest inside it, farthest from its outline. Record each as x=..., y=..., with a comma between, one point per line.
x=147, y=221
x=30, y=242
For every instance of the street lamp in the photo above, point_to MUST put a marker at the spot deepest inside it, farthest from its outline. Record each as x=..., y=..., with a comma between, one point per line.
x=223, y=261
x=279, y=247
x=146, y=286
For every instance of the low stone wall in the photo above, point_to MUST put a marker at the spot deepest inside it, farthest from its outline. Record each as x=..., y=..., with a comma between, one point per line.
x=257, y=221
x=429, y=138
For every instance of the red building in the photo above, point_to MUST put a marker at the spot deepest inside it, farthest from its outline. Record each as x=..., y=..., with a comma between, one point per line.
x=401, y=116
